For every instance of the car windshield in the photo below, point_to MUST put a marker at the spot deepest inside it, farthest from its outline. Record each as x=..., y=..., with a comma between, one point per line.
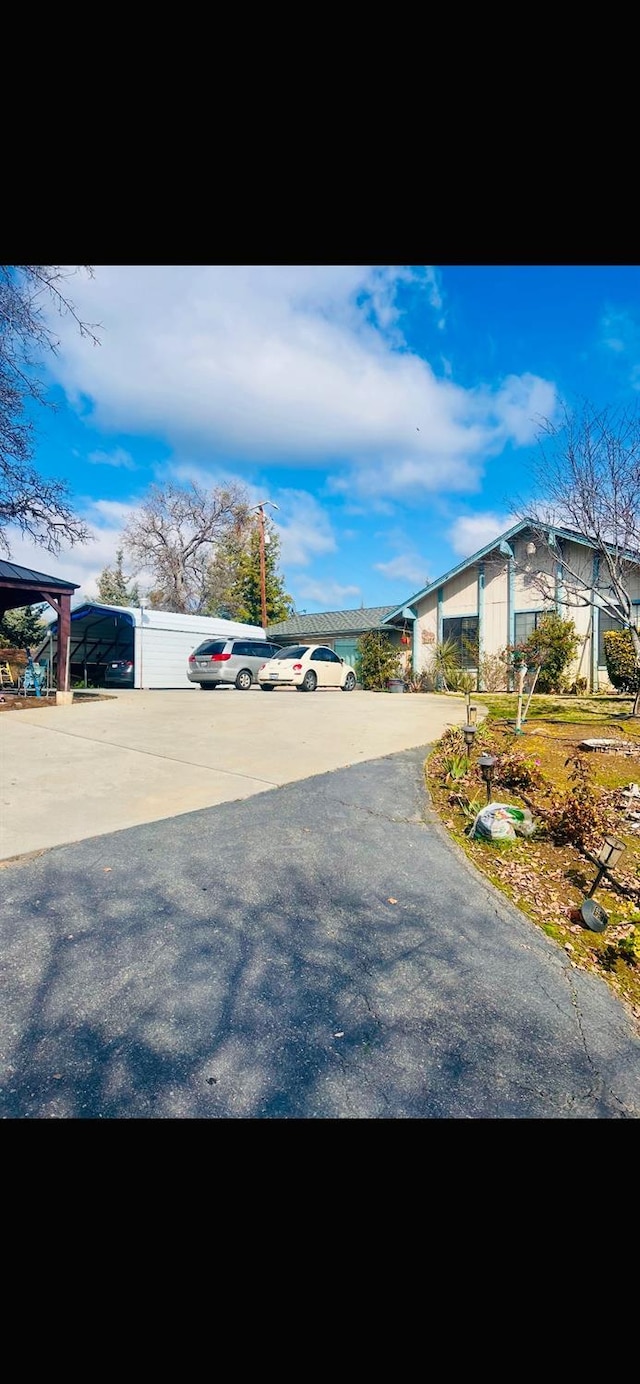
x=292, y=653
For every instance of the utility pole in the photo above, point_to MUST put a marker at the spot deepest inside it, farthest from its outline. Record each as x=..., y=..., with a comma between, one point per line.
x=263, y=564
x=263, y=569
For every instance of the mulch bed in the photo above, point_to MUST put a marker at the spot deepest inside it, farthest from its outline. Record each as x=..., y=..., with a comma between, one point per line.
x=11, y=702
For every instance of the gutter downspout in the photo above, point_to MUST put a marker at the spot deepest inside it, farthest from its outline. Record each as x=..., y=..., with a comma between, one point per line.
x=480, y=622
x=508, y=552
x=595, y=625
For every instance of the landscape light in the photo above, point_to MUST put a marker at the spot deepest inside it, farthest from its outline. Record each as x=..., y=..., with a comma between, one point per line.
x=487, y=764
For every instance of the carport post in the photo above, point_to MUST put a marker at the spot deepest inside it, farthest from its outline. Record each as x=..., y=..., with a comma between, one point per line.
x=64, y=643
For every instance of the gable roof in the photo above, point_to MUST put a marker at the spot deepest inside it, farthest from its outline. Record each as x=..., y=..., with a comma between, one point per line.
x=334, y=622
x=9, y=571
x=521, y=527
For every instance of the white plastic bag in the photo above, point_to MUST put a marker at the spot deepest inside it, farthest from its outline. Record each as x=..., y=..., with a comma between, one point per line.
x=502, y=822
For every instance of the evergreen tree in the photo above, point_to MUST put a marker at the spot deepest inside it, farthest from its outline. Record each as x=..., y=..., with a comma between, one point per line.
x=233, y=582
x=22, y=628
x=112, y=586
x=223, y=596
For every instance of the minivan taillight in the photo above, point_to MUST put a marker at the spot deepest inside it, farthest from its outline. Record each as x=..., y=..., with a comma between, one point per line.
x=220, y=658
x=192, y=658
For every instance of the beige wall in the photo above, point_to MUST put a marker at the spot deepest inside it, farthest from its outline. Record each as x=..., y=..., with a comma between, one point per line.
x=460, y=597
x=461, y=594
x=427, y=625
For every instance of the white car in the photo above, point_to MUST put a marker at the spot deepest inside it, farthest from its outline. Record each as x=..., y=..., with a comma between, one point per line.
x=306, y=667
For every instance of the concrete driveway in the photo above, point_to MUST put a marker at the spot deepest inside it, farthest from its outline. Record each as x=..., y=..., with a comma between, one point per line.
x=69, y=773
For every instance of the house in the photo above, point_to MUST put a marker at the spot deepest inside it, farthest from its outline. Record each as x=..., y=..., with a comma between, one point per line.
x=341, y=629
x=494, y=599
x=158, y=642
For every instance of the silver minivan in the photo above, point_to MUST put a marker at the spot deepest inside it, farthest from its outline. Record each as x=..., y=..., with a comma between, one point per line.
x=233, y=662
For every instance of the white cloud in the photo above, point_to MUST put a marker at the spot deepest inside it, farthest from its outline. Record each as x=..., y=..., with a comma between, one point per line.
x=290, y=365
x=472, y=532
x=520, y=405
x=620, y=334
x=619, y=331
x=118, y=457
x=405, y=567
x=327, y=595
x=304, y=528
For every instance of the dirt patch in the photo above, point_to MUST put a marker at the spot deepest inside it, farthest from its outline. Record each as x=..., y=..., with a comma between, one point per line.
x=12, y=702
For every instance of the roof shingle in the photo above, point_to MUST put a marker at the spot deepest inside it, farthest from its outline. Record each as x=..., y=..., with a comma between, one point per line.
x=333, y=622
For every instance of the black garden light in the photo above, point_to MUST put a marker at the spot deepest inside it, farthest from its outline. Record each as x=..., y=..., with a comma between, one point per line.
x=469, y=733
x=487, y=764
x=593, y=915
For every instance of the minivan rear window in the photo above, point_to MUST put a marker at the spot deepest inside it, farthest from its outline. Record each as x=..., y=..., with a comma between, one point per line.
x=211, y=646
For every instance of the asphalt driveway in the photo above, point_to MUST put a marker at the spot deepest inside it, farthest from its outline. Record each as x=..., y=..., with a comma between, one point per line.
x=320, y=951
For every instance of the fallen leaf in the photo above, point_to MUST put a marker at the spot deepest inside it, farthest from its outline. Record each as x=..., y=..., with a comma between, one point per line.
x=107, y=870
x=392, y=900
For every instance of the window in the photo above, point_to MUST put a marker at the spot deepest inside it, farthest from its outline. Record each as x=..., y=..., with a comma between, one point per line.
x=298, y=652
x=463, y=631
x=320, y=656
x=526, y=622
x=211, y=646
x=331, y=657
x=607, y=622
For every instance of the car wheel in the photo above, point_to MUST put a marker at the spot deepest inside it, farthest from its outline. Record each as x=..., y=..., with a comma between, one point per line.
x=208, y=686
x=267, y=687
x=243, y=680
x=309, y=682
x=349, y=682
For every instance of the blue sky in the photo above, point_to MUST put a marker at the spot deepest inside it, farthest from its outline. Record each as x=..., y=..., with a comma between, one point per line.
x=390, y=411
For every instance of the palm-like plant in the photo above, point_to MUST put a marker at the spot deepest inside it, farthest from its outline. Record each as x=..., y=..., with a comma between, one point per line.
x=446, y=663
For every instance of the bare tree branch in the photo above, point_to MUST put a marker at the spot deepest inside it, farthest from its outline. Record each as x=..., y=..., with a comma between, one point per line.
x=586, y=479
x=37, y=506
x=174, y=536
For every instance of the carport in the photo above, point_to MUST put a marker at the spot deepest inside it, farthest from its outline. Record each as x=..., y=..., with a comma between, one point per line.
x=22, y=586
x=99, y=633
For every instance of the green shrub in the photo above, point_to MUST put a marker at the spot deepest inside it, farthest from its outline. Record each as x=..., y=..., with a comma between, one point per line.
x=377, y=660
x=622, y=666
x=554, y=645
x=455, y=767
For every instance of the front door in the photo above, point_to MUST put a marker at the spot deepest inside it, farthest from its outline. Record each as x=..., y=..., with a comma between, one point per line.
x=348, y=650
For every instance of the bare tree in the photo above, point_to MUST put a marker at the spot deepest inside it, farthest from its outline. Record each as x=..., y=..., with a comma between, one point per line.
x=587, y=479
x=38, y=506
x=173, y=537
